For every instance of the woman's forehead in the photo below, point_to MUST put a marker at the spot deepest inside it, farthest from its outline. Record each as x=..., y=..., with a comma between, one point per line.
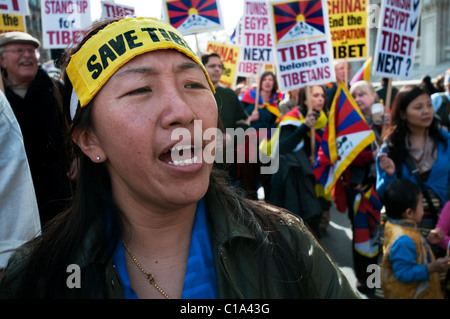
x=158, y=61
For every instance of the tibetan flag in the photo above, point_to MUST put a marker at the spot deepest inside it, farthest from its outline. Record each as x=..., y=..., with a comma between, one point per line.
x=194, y=16
x=345, y=136
x=367, y=208
x=363, y=72
x=249, y=97
x=298, y=19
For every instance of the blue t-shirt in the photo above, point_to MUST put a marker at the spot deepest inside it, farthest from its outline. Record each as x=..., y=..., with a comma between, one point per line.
x=200, y=281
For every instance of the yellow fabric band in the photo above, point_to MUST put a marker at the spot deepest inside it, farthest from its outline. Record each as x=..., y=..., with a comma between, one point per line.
x=103, y=54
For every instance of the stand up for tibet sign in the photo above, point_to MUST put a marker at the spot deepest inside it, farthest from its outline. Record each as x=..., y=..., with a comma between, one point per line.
x=302, y=43
x=255, y=39
x=348, y=25
x=396, y=43
x=63, y=22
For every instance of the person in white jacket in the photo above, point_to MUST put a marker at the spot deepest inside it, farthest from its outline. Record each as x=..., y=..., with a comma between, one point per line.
x=19, y=215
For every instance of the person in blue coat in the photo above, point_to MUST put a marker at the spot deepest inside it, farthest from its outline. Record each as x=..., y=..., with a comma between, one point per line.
x=414, y=135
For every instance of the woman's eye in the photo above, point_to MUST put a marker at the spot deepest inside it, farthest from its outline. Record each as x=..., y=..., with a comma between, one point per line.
x=195, y=86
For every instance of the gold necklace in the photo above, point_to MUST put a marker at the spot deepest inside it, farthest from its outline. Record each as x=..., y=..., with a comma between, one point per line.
x=149, y=277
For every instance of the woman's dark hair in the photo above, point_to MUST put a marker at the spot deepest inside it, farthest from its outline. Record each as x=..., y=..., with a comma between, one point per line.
x=44, y=273
x=400, y=195
x=397, y=130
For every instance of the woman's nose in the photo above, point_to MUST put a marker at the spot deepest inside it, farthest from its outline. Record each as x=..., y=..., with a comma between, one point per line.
x=176, y=111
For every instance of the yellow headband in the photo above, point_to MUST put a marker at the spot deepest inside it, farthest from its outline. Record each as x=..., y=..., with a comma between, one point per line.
x=103, y=54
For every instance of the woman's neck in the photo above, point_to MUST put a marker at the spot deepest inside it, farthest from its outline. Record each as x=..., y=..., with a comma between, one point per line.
x=418, y=136
x=265, y=96
x=159, y=234
x=160, y=244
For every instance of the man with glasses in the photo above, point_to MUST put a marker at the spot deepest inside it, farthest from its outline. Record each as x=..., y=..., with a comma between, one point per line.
x=231, y=112
x=32, y=95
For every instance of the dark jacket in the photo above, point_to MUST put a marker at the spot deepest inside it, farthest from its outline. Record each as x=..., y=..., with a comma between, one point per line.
x=236, y=263
x=40, y=120
x=293, y=185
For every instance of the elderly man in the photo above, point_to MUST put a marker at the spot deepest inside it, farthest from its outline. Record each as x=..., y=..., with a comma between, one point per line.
x=31, y=93
x=342, y=69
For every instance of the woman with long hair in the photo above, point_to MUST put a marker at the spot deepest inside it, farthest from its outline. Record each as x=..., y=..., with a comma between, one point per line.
x=293, y=185
x=263, y=114
x=416, y=148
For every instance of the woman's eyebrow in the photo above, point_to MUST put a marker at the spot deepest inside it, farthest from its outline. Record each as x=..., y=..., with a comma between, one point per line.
x=149, y=70
x=140, y=70
x=187, y=65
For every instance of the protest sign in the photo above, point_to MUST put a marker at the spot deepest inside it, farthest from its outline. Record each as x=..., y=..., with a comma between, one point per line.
x=63, y=22
x=229, y=54
x=111, y=9
x=192, y=17
x=396, y=41
x=255, y=39
x=348, y=25
x=14, y=6
x=11, y=22
x=302, y=43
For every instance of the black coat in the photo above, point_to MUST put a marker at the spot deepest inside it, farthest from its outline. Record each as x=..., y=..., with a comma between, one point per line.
x=293, y=185
x=40, y=120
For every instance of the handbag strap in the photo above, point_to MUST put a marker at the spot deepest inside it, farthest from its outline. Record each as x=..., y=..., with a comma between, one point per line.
x=415, y=171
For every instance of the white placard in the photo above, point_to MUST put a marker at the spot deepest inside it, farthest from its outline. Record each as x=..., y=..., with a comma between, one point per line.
x=302, y=43
x=396, y=41
x=63, y=22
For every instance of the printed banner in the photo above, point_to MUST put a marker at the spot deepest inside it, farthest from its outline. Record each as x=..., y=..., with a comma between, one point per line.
x=111, y=9
x=229, y=54
x=14, y=6
x=193, y=16
x=255, y=39
x=302, y=43
x=396, y=42
x=348, y=25
x=12, y=22
x=63, y=22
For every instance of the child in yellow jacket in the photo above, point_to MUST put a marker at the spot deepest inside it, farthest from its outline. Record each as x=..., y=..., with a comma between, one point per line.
x=409, y=268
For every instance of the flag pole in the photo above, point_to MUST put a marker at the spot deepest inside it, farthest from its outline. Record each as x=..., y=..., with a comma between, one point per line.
x=313, y=130
x=346, y=73
x=199, y=53
x=2, y=87
x=258, y=80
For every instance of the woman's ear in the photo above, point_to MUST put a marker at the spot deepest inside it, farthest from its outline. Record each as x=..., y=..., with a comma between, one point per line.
x=89, y=145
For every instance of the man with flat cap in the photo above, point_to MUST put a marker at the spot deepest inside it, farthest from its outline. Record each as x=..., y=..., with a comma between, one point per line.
x=32, y=95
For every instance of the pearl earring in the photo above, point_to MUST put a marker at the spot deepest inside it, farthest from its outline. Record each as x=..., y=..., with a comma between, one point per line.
x=97, y=158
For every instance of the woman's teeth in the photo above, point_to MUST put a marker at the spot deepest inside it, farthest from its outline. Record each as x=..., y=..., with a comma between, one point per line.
x=179, y=150
x=184, y=162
